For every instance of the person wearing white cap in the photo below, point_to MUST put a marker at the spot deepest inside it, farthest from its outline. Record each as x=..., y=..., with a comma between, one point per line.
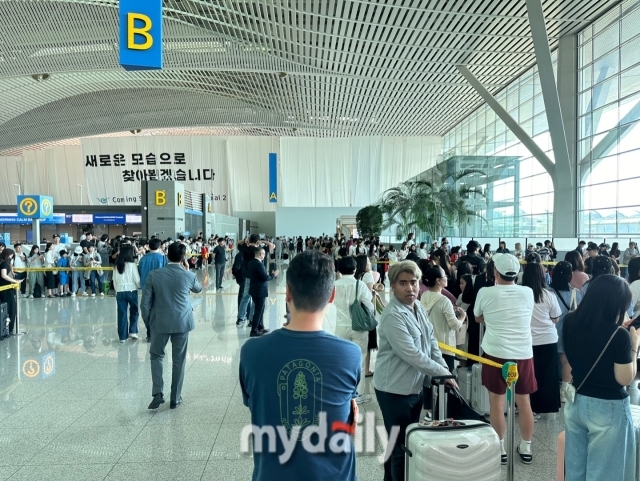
x=506, y=310
x=77, y=277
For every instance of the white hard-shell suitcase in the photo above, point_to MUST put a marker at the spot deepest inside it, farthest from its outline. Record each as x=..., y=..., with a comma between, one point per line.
x=451, y=450
x=464, y=382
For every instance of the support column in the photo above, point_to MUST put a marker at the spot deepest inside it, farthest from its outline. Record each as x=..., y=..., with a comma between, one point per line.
x=564, y=208
x=565, y=214
x=35, y=231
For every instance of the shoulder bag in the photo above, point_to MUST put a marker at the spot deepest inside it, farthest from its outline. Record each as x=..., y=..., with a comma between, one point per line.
x=570, y=390
x=361, y=318
x=573, y=303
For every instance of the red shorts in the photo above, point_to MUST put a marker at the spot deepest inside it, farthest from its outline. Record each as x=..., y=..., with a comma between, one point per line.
x=494, y=382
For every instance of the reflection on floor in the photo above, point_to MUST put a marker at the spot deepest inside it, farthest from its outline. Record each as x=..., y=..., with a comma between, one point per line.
x=73, y=401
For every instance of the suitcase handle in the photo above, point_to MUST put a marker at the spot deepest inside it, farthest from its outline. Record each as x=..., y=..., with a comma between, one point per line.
x=406, y=450
x=442, y=378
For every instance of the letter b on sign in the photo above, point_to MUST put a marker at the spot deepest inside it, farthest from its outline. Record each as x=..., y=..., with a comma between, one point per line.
x=161, y=197
x=132, y=31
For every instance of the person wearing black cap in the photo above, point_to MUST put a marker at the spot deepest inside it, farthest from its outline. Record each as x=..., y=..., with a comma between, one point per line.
x=592, y=253
x=603, y=249
x=472, y=257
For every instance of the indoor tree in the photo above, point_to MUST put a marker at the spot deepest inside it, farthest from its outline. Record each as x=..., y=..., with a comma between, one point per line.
x=369, y=221
x=430, y=205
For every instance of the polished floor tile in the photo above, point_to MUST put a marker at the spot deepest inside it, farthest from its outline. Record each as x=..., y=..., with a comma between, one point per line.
x=73, y=400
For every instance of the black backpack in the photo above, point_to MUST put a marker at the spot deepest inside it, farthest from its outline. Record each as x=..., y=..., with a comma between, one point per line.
x=238, y=265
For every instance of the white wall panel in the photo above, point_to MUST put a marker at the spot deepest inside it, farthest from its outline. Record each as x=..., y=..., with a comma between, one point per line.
x=342, y=172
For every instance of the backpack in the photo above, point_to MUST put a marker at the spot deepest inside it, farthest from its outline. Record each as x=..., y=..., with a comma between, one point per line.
x=238, y=263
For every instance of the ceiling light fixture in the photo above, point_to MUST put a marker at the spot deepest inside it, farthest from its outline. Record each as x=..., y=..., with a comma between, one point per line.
x=135, y=131
x=40, y=77
x=282, y=74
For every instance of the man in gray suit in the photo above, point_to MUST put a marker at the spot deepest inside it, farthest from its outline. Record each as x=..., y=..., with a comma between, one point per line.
x=166, y=304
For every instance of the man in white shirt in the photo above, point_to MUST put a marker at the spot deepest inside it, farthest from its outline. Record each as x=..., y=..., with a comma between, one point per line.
x=506, y=311
x=345, y=296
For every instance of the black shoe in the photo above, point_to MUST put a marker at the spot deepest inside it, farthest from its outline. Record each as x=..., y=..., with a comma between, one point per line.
x=503, y=459
x=175, y=404
x=264, y=331
x=157, y=400
x=256, y=333
x=239, y=322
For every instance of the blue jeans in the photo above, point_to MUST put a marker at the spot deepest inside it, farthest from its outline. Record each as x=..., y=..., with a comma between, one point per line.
x=219, y=275
x=245, y=310
x=77, y=279
x=600, y=440
x=124, y=300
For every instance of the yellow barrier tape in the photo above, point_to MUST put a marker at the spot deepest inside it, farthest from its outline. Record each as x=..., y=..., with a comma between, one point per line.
x=64, y=269
x=473, y=357
x=9, y=287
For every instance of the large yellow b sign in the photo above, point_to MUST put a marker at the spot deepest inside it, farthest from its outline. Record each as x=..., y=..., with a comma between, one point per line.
x=143, y=31
x=161, y=197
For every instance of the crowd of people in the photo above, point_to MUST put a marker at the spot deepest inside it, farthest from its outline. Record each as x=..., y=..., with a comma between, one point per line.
x=569, y=325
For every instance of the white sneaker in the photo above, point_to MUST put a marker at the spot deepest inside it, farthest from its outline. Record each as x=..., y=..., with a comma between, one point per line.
x=84, y=294
x=102, y=294
x=363, y=398
x=31, y=296
x=133, y=336
x=73, y=294
x=93, y=295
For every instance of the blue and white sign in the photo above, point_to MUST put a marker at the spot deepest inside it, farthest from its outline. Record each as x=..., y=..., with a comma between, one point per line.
x=35, y=206
x=13, y=219
x=109, y=219
x=273, y=178
x=141, y=34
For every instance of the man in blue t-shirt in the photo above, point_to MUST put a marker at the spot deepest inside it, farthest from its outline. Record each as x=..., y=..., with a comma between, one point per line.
x=300, y=384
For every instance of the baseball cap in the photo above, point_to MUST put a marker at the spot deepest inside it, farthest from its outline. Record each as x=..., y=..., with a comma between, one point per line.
x=592, y=246
x=506, y=264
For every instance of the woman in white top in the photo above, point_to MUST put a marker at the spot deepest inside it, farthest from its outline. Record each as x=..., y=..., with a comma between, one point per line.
x=364, y=274
x=544, y=334
x=403, y=251
x=634, y=284
x=346, y=288
x=50, y=259
x=440, y=310
x=126, y=281
x=392, y=254
x=518, y=252
x=422, y=251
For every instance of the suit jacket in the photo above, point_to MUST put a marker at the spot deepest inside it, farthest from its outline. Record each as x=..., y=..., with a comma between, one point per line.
x=166, y=300
x=258, y=279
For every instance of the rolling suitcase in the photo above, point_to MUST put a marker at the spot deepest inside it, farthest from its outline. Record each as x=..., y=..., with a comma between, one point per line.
x=464, y=382
x=4, y=321
x=446, y=449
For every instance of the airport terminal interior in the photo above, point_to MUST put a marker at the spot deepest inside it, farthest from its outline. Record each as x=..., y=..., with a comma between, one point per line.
x=310, y=123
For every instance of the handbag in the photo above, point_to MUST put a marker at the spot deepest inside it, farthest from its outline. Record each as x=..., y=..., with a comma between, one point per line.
x=573, y=302
x=361, y=318
x=570, y=390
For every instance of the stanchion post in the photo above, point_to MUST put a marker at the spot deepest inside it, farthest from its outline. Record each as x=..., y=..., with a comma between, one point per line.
x=18, y=331
x=510, y=375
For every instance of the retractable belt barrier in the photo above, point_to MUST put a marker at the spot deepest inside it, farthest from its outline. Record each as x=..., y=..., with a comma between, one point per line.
x=9, y=287
x=473, y=357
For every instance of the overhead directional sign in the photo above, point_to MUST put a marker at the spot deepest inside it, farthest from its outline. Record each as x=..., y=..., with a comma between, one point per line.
x=35, y=206
x=141, y=34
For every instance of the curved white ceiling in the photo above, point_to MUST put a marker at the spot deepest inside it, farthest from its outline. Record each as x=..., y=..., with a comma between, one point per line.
x=353, y=67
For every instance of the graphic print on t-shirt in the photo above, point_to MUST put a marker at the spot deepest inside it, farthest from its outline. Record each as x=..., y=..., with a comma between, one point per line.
x=300, y=392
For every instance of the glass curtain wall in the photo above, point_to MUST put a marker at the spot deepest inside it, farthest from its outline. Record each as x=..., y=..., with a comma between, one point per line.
x=519, y=191
x=609, y=123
